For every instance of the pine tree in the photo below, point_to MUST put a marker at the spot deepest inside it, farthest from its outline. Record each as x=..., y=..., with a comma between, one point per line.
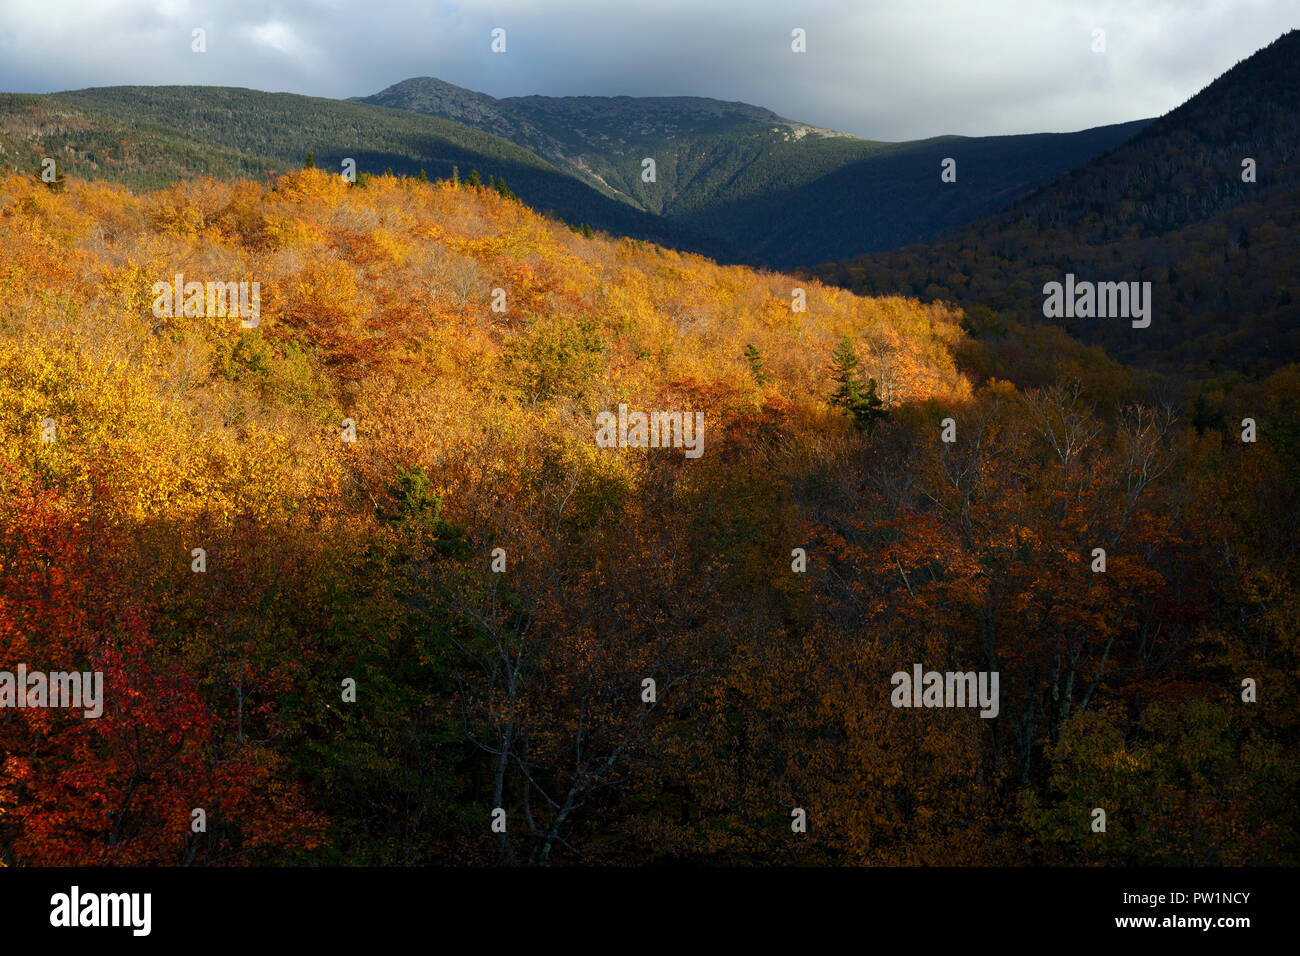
x=756, y=368
x=455, y=175
x=311, y=161
x=870, y=410
x=59, y=183
x=474, y=179
x=844, y=363
x=860, y=403
x=424, y=177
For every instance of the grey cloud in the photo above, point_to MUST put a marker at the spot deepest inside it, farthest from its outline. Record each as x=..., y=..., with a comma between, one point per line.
x=883, y=71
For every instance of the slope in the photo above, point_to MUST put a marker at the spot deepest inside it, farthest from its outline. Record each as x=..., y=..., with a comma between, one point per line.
x=1177, y=207
x=150, y=136
x=782, y=193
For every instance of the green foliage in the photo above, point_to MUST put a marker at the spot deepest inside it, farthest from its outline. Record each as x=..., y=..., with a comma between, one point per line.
x=243, y=357
x=283, y=375
x=416, y=507
x=756, y=368
x=1183, y=753
x=981, y=321
x=558, y=356
x=857, y=399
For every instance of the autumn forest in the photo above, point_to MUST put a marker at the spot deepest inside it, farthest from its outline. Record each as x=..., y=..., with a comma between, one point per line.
x=428, y=479
x=497, y=588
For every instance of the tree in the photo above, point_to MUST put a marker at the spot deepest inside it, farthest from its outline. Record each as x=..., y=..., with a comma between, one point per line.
x=311, y=161
x=1207, y=417
x=858, y=400
x=756, y=368
x=474, y=179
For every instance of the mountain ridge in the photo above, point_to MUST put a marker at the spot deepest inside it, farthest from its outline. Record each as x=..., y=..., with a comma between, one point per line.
x=1173, y=206
x=728, y=164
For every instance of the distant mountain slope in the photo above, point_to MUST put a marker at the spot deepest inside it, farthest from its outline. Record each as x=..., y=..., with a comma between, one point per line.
x=698, y=144
x=149, y=136
x=732, y=181
x=1169, y=207
x=896, y=196
x=782, y=193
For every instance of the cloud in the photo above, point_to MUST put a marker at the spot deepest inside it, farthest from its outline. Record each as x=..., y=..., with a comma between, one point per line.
x=280, y=37
x=883, y=71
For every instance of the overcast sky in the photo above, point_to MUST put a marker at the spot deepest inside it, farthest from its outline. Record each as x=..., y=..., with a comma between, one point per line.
x=902, y=69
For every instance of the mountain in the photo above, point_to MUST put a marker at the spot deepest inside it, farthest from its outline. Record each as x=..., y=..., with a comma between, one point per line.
x=895, y=196
x=782, y=193
x=1172, y=207
x=736, y=182
x=414, y=510
x=705, y=151
x=149, y=136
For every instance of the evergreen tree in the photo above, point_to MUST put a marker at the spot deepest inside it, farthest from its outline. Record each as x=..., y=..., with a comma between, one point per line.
x=870, y=410
x=418, y=508
x=844, y=365
x=1205, y=417
x=860, y=402
x=424, y=177
x=474, y=179
x=311, y=161
x=59, y=183
x=455, y=175
x=756, y=368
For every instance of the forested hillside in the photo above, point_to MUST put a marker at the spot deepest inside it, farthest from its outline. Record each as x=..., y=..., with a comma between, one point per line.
x=777, y=192
x=358, y=571
x=731, y=181
x=155, y=136
x=1203, y=204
